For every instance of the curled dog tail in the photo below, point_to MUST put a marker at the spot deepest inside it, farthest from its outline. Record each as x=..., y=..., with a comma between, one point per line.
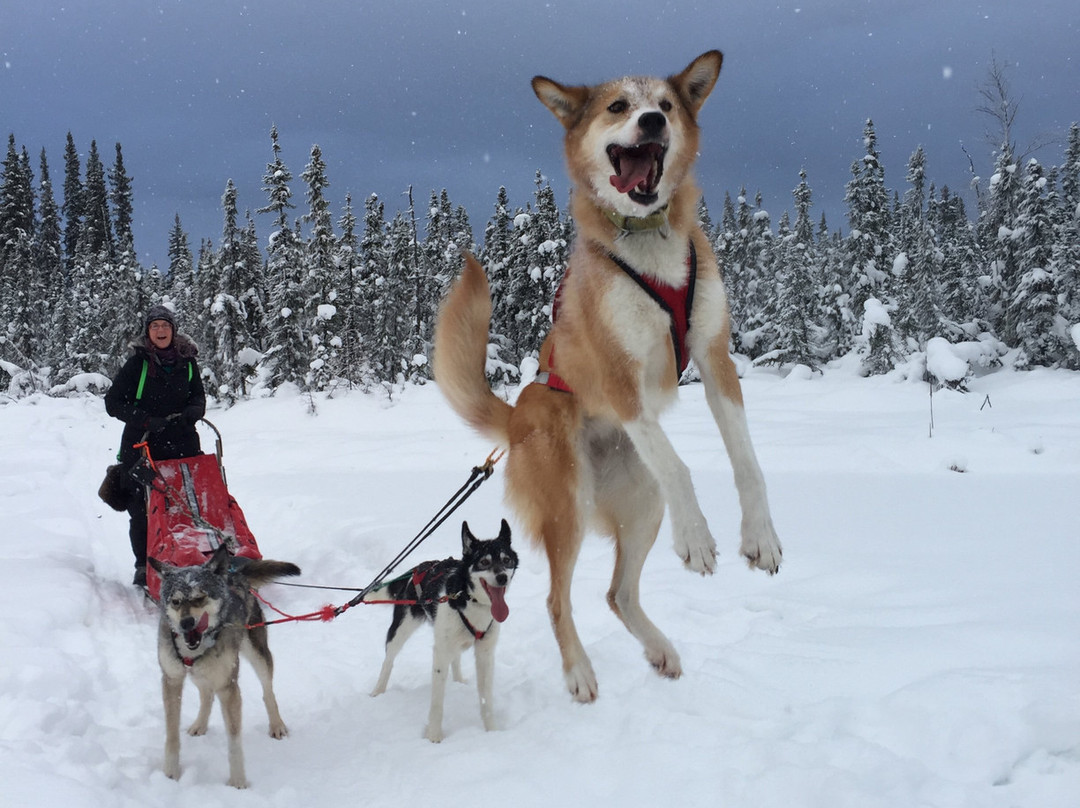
x=461, y=340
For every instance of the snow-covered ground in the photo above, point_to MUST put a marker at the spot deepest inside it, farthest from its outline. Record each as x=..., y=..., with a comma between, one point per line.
x=921, y=646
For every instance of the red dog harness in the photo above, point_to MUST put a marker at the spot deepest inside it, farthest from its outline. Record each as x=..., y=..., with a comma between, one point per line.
x=677, y=302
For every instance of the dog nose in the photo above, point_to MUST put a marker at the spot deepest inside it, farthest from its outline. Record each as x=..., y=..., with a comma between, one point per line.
x=187, y=624
x=501, y=579
x=652, y=123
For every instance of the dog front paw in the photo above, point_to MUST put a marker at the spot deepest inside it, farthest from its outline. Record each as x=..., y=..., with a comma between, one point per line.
x=581, y=682
x=761, y=547
x=433, y=734
x=198, y=728
x=238, y=781
x=697, y=551
x=172, y=769
x=278, y=730
x=665, y=660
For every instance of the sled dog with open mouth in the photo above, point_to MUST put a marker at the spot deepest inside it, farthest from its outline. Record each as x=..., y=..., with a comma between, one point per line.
x=466, y=602
x=203, y=630
x=642, y=295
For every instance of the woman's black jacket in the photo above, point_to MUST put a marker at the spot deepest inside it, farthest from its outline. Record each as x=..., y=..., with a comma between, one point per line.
x=171, y=403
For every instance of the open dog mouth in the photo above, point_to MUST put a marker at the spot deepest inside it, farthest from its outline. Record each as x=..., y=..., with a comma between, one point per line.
x=638, y=170
x=193, y=636
x=497, y=594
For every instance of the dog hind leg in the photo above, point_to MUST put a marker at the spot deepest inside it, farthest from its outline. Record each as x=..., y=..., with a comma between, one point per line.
x=630, y=503
x=562, y=543
x=256, y=650
x=202, y=720
x=172, y=691
x=401, y=628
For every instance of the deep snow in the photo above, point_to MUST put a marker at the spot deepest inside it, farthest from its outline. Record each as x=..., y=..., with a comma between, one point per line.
x=920, y=647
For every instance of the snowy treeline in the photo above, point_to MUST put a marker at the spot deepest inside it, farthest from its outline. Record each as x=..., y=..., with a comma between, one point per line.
x=351, y=301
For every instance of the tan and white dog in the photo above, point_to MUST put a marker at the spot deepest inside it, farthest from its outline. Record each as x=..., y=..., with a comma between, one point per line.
x=641, y=294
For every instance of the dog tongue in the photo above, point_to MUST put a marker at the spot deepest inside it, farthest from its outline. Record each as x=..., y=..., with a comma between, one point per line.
x=499, y=610
x=192, y=637
x=635, y=170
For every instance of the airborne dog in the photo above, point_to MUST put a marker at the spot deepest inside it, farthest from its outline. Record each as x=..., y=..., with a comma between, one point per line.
x=466, y=602
x=642, y=295
x=205, y=614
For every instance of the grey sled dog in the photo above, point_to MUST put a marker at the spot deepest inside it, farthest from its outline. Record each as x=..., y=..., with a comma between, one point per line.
x=205, y=614
x=466, y=602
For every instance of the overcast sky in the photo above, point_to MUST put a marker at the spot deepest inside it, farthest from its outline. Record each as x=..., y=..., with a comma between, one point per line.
x=436, y=94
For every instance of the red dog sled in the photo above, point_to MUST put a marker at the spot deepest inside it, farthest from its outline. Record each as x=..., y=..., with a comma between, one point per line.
x=190, y=513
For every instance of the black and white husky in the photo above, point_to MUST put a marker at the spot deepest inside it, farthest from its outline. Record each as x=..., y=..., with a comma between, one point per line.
x=466, y=602
x=205, y=614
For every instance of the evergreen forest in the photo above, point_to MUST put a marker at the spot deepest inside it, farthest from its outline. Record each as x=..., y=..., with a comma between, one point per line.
x=347, y=298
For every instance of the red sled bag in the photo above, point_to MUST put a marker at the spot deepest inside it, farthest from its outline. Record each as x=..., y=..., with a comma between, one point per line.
x=190, y=514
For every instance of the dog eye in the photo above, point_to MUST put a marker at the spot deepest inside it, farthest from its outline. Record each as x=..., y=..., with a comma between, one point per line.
x=484, y=562
x=617, y=107
x=665, y=105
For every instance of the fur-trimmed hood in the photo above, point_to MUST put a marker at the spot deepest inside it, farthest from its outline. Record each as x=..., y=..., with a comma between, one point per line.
x=185, y=346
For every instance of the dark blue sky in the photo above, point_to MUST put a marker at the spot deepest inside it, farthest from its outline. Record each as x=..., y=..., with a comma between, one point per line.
x=436, y=95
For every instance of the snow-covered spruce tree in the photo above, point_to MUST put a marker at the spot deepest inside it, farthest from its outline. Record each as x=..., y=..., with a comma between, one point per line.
x=833, y=300
x=323, y=279
x=795, y=265
x=759, y=280
x=868, y=245
x=72, y=208
x=349, y=263
x=50, y=311
x=18, y=283
x=289, y=349
x=549, y=244
x=180, y=280
x=917, y=263
x=132, y=291
x=120, y=196
x=97, y=224
x=1034, y=305
x=1067, y=248
x=374, y=259
x=495, y=258
x=878, y=344
x=227, y=318
x=446, y=235
x=791, y=313
x=997, y=228
x=961, y=297
x=390, y=295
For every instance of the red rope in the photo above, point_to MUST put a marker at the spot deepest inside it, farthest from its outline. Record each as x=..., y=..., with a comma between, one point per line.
x=327, y=612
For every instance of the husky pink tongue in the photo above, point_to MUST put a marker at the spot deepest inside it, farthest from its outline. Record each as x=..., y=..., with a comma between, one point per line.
x=193, y=637
x=635, y=171
x=499, y=610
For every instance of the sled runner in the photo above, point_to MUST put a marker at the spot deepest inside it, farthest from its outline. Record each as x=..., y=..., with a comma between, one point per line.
x=190, y=513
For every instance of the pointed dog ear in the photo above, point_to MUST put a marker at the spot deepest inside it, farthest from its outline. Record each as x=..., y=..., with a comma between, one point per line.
x=565, y=102
x=219, y=561
x=467, y=538
x=698, y=79
x=156, y=565
x=504, y=531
